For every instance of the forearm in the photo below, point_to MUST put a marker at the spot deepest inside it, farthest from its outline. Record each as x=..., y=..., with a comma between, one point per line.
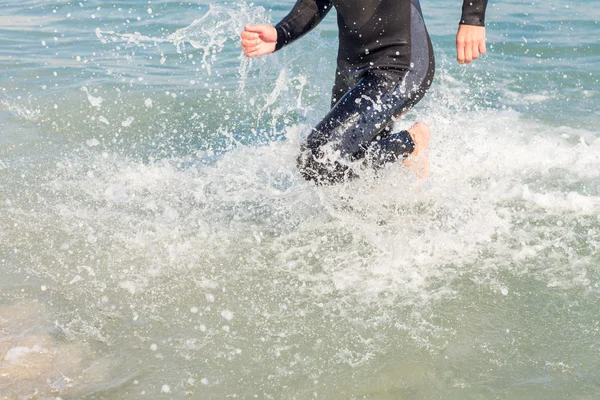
x=473, y=12
x=305, y=15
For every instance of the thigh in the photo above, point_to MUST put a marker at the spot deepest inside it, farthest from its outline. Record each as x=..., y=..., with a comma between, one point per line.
x=344, y=81
x=356, y=119
x=422, y=64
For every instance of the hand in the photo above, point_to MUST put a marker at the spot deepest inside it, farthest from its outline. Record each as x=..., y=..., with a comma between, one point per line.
x=470, y=43
x=258, y=40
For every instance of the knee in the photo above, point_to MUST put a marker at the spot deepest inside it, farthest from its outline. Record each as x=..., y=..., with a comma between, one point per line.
x=315, y=165
x=311, y=160
x=309, y=163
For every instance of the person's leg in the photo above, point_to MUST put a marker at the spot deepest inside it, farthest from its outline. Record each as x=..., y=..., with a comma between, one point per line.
x=414, y=86
x=359, y=123
x=344, y=81
x=348, y=130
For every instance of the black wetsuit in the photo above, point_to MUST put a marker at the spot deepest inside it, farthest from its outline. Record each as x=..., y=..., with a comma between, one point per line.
x=385, y=65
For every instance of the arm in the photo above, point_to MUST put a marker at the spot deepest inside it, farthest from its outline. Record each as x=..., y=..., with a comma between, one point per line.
x=305, y=15
x=264, y=39
x=470, y=39
x=473, y=12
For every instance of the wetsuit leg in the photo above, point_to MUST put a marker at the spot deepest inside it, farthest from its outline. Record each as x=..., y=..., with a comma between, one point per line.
x=389, y=147
x=342, y=84
x=358, y=124
x=341, y=136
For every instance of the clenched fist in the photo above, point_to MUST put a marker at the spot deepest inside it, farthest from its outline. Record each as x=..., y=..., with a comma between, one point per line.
x=258, y=40
x=470, y=43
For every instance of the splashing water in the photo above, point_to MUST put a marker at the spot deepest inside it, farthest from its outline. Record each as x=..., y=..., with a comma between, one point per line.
x=209, y=33
x=153, y=227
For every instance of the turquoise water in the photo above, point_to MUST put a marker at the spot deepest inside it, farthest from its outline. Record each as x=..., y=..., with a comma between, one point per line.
x=156, y=240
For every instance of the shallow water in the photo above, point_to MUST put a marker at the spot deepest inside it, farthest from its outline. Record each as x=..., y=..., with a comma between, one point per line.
x=153, y=226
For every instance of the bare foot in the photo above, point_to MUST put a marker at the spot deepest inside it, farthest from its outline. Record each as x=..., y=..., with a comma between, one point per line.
x=418, y=160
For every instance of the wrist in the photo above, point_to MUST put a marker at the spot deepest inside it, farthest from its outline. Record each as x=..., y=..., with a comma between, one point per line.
x=472, y=22
x=282, y=37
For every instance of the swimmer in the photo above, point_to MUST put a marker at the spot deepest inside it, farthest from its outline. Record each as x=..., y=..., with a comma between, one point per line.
x=385, y=64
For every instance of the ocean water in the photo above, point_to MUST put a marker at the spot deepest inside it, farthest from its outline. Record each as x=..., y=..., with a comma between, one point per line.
x=157, y=241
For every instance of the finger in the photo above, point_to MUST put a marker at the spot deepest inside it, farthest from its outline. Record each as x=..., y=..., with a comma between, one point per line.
x=253, y=49
x=250, y=42
x=460, y=51
x=247, y=50
x=254, y=28
x=249, y=35
x=468, y=54
x=475, y=51
x=482, y=46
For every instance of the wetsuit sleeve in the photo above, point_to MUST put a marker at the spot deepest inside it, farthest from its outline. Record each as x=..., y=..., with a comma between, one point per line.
x=305, y=15
x=473, y=12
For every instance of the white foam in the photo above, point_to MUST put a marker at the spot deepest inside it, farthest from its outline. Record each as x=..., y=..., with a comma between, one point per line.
x=94, y=101
x=127, y=122
x=130, y=286
x=15, y=354
x=182, y=245
x=22, y=111
x=228, y=315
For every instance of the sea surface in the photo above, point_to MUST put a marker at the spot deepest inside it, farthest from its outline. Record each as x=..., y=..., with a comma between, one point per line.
x=157, y=240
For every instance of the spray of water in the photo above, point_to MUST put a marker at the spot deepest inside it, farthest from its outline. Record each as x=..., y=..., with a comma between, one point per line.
x=224, y=273
x=208, y=33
